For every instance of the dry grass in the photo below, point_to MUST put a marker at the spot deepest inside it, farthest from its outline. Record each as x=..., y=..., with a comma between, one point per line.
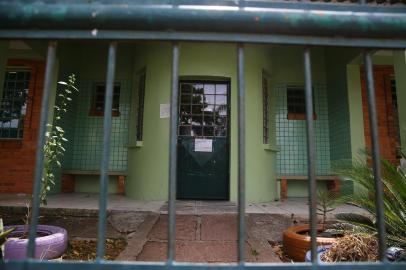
x=85, y=250
x=352, y=247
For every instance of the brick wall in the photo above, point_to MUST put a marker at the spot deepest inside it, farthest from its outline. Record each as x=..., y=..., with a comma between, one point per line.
x=17, y=157
x=387, y=129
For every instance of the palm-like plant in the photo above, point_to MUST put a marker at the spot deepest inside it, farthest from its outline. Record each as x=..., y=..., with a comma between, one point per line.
x=394, y=199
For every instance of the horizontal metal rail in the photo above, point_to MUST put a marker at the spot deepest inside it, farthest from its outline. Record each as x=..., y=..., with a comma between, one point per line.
x=234, y=21
x=267, y=22
x=112, y=265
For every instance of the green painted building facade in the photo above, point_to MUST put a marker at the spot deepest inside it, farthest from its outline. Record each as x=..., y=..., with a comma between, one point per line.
x=270, y=73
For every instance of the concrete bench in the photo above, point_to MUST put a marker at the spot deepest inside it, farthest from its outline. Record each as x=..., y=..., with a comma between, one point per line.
x=333, y=183
x=68, y=179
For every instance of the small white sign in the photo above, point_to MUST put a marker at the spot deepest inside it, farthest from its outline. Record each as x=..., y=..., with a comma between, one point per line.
x=164, y=110
x=203, y=145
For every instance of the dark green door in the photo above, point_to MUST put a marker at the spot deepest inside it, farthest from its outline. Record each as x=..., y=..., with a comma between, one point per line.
x=203, y=140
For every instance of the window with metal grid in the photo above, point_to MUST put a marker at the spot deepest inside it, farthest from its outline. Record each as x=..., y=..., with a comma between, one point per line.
x=14, y=103
x=140, y=108
x=265, y=109
x=296, y=103
x=98, y=100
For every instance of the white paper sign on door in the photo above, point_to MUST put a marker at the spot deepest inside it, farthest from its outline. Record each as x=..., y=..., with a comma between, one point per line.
x=164, y=110
x=203, y=145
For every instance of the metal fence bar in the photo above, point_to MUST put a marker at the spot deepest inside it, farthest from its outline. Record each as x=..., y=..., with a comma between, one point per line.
x=104, y=166
x=241, y=155
x=173, y=155
x=39, y=158
x=342, y=41
x=252, y=17
x=311, y=156
x=373, y=122
x=116, y=265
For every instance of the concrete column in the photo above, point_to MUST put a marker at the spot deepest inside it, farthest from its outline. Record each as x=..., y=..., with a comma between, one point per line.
x=399, y=59
x=355, y=107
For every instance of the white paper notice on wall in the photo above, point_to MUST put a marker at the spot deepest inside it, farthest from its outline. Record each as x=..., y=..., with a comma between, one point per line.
x=203, y=145
x=164, y=110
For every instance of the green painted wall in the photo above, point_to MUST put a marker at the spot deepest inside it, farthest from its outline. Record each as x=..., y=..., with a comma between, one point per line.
x=339, y=111
x=89, y=63
x=355, y=107
x=287, y=63
x=399, y=58
x=148, y=172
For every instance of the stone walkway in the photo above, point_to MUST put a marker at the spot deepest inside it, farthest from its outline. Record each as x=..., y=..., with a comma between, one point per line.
x=208, y=238
x=206, y=231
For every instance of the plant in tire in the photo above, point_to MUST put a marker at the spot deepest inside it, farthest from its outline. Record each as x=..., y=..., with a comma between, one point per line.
x=51, y=241
x=3, y=237
x=394, y=200
x=55, y=138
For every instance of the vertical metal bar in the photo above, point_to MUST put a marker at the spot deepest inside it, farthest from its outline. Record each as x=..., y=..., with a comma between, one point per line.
x=241, y=155
x=104, y=166
x=311, y=157
x=39, y=158
x=373, y=122
x=173, y=154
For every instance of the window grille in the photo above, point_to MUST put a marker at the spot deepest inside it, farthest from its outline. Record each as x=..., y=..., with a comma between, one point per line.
x=265, y=109
x=296, y=23
x=296, y=103
x=98, y=101
x=14, y=104
x=140, y=111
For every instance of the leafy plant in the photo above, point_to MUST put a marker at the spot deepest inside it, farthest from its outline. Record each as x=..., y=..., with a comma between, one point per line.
x=53, y=148
x=55, y=138
x=394, y=199
x=326, y=201
x=3, y=237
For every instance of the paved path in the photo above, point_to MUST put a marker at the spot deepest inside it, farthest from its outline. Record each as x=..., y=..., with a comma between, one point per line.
x=206, y=231
x=206, y=238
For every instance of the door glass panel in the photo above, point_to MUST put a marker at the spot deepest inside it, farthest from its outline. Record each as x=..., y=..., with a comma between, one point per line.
x=185, y=120
x=221, y=89
x=184, y=131
x=208, y=131
x=198, y=89
x=197, y=99
x=197, y=120
x=209, y=99
x=185, y=99
x=203, y=109
x=221, y=120
x=221, y=100
x=208, y=119
x=197, y=131
x=209, y=89
x=221, y=110
x=185, y=109
x=220, y=131
x=197, y=109
x=208, y=109
x=186, y=88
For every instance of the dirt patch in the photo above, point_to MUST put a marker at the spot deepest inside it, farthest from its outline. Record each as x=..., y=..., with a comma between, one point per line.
x=277, y=247
x=85, y=250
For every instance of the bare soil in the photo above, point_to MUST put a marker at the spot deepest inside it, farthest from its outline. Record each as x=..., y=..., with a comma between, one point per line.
x=85, y=250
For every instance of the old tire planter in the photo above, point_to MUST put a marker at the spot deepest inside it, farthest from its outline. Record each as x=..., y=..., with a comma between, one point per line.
x=50, y=246
x=296, y=243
